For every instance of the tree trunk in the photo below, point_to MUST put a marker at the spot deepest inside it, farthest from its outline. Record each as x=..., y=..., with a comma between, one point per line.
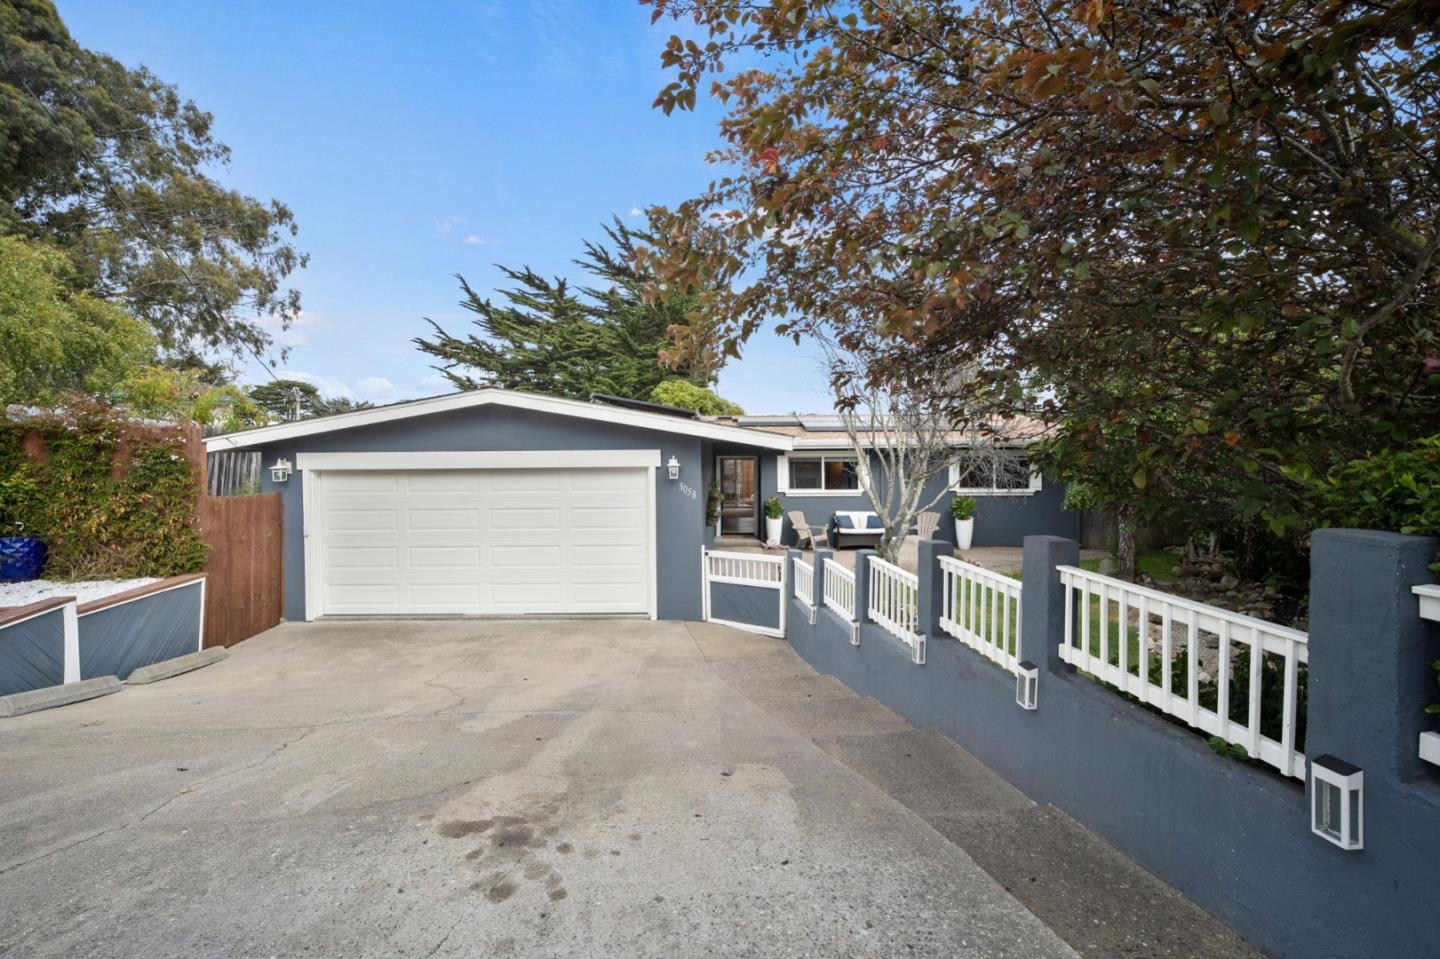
x=1125, y=543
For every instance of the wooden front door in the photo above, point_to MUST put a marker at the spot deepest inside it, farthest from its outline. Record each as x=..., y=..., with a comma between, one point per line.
x=739, y=495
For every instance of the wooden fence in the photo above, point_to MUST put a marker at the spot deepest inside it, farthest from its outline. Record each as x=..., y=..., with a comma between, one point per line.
x=244, y=584
x=233, y=473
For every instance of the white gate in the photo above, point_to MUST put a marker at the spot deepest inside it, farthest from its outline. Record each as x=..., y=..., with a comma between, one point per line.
x=744, y=590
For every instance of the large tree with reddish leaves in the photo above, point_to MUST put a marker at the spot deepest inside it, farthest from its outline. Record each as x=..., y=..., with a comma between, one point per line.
x=1203, y=233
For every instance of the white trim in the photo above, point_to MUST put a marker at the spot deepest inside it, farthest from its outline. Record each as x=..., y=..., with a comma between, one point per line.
x=480, y=460
x=618, y=415
x=71, y=632
x=310, y=530
x=654, y=596
x=200, y=633
x=782, y=475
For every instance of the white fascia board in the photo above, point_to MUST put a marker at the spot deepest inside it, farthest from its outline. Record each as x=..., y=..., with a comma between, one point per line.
x=526, y=401
x=480, y=460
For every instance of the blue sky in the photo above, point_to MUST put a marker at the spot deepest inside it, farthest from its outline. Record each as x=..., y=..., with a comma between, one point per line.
x=416, y=141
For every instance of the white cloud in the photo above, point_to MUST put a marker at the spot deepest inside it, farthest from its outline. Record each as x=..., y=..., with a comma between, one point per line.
x=328, y=386
x=636, y=211
x=474, y=239
x=442, y=227
x=375, y=388
x=435, y=383
x=298, y=333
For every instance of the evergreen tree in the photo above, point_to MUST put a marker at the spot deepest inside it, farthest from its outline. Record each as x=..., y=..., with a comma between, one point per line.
x=546, y=336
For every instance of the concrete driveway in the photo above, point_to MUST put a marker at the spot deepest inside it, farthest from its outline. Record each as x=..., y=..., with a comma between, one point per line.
x=525, y=788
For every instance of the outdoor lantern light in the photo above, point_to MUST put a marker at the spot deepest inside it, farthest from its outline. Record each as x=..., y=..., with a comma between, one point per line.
x=674, y=467
x=1337, y=801
x=1027, y=682
x=280, y=472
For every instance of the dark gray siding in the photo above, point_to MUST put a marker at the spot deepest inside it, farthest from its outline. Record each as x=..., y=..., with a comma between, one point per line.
x=999, y=520
x=755, y=605
x=678, y=539
x=32, y=653
x=120, y=639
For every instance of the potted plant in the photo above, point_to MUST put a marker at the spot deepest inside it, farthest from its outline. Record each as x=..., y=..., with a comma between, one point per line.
x=963, y=509
x=712, y=505
x=774, y=510
x=21, y=557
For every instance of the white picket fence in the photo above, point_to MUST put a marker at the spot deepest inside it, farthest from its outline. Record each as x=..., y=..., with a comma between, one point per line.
x=838, y=586
x=981, y=608
x=1115, y=631
x=743, y=569
x=893, y=603
x=804, y=582
x=803, y=586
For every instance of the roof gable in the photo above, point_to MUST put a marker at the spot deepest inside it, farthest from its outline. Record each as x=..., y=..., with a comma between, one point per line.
x=494, y=396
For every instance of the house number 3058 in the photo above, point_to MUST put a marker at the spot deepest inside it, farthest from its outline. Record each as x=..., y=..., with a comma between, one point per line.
x=688, y=491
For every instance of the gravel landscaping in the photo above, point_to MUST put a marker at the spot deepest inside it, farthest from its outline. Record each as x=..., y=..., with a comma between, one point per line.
x=23, y=594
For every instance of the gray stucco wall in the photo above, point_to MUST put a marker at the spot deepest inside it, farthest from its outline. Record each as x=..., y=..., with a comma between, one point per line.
x=1000, y=520
x=681, y=518
x=1231, y=836
x=117, y=640
x=32, y=653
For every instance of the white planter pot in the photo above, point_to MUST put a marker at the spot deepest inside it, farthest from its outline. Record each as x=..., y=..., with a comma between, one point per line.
x=1429, y=601
x=964, y=532
x=772, y=530
x=1430, y=747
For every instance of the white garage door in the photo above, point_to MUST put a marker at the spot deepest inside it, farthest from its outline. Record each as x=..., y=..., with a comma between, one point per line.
x=479, y=542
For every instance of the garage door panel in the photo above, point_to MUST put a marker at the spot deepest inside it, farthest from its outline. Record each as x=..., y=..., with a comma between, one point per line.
x=608, y=555
x=527, y=481
x=436, y=518
x=365, y=557
x=457, y=597
x=443, y=557
x=376, y=595
x=341, y=484
x=526, y=557
x=601, y=517
x=364, y=520
x=524, y=518
x=443, y=481
x=476, y=541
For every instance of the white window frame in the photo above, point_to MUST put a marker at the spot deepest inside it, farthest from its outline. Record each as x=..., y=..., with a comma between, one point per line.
x=1031, y=490
x=782, y=474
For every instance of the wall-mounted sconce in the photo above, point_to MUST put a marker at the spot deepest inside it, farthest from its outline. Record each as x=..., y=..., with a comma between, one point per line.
x=1027, y=684
x=1337, y=802
x=674, y=467
x=280, y=472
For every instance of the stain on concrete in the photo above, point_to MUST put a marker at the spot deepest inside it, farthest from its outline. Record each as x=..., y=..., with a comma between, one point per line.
x=501, y=891
x=460, y=828
x=557, y=894
x=565, y=848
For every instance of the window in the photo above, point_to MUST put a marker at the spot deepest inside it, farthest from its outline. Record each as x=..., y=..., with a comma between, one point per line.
x=1004, y=471
x=823, y=473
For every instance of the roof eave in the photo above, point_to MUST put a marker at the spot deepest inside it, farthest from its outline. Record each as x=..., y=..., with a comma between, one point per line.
x=283, y=432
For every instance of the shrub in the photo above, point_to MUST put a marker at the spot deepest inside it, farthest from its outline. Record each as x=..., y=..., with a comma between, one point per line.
x=687, y=396
x=962, y=507
x=113, y=499
x=774, y=508
x=1392, y=489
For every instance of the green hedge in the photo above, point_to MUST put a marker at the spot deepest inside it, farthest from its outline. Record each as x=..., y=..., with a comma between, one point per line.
x=96, y=524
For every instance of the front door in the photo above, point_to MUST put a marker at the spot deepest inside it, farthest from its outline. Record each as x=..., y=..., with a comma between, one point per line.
x=739, y=495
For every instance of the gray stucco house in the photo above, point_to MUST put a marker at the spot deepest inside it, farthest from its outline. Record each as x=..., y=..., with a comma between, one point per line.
x=496, y=502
